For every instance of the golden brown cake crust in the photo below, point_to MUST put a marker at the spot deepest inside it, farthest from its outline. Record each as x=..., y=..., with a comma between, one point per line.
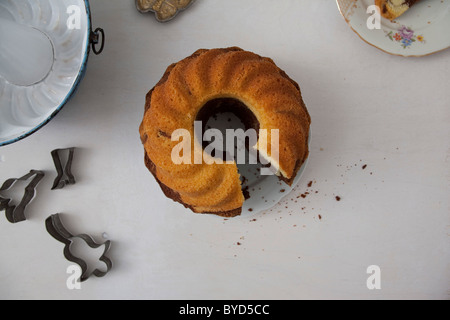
x=178, y=97
x=171, y=194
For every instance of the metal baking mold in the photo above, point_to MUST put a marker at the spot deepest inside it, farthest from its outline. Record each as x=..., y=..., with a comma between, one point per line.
x=14, y=213
x=164, y=10
x=65, y=175
x=57, y=230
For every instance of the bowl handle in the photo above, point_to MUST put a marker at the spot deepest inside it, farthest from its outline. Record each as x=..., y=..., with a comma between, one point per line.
x=95, y=40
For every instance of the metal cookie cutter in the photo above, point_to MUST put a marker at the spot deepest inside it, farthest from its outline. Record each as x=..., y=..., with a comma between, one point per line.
x=14, y=213
x=164, y=10
x=65, y=175
x=57, y=230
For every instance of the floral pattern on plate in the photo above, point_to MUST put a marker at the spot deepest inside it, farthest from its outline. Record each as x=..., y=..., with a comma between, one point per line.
x=405, y=36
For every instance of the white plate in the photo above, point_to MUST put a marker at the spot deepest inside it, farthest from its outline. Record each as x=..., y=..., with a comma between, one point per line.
x=29, y=103
x=422, y=30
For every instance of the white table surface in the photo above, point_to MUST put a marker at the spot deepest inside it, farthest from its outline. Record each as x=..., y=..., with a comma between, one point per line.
x=368, y=108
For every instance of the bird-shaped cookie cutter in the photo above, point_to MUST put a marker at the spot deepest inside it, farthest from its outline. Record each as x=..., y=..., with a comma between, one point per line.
x=15, y=213
x=57, y=230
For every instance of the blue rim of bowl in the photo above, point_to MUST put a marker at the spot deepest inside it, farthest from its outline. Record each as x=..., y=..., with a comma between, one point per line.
x=72, y=91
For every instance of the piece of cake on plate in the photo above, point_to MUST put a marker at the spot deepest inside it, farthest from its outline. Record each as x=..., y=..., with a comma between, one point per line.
x=392, y=9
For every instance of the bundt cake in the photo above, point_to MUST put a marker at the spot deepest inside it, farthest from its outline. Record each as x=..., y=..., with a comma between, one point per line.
x=392, y=9
x=223, y=77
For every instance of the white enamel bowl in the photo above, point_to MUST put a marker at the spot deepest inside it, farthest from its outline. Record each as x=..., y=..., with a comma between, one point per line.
x=44, y=48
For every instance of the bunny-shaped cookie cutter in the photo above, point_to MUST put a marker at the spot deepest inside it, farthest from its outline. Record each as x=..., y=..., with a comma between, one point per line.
x=57, y=230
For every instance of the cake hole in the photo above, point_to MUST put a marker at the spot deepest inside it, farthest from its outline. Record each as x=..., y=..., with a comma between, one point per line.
x=224, y=114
